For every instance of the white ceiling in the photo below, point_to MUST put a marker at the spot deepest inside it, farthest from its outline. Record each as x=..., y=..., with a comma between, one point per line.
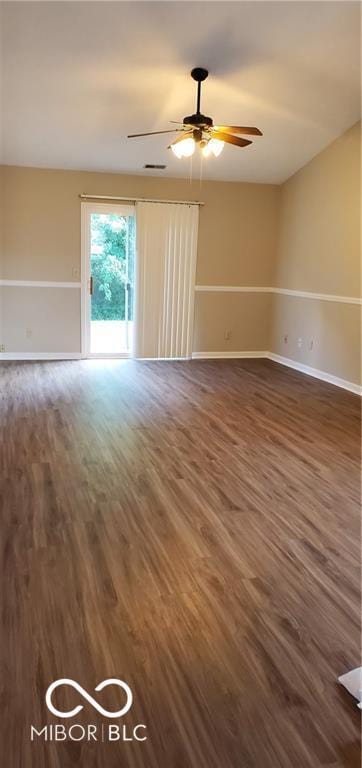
x=78, y=76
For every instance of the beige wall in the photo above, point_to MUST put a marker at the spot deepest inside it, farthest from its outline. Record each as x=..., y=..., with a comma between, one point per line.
x=319, y=231
x=246, y=316
x=31, y=314
x=42, y=242
x=329, y=334
x=2, y=173
x=319, y=251
x=1, y=251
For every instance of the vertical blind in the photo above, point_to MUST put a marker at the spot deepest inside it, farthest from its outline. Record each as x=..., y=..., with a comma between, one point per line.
x=165, y=279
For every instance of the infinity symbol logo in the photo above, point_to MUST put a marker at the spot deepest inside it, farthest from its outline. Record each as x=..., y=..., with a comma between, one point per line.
x=86, y=695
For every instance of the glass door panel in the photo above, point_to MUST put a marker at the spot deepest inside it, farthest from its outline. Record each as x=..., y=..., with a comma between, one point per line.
x=111, y=269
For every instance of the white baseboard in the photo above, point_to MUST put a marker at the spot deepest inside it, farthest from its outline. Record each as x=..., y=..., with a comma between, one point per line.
x=316, y=373
x=214, y=355
x=40, y=356
x=160, y=359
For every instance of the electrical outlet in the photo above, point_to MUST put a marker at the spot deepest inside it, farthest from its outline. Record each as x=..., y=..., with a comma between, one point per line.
x=2, y=348
x=75, y=272
x=300, y=343
x=28, y=333
x=227, y=335
x=285, y=338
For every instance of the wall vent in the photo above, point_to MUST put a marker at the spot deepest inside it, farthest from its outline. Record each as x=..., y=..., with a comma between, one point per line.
x=155, y=166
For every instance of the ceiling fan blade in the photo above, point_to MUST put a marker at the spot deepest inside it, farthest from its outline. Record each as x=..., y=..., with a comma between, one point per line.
x=153, y=133
x=238, y=129
x=189, y=126
x=230, y=139
x=185, y=135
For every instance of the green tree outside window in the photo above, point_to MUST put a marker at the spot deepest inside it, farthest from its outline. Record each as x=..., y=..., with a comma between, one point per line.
x=111, y=235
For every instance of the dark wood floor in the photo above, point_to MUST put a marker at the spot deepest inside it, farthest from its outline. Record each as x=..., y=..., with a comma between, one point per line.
x=193, y=529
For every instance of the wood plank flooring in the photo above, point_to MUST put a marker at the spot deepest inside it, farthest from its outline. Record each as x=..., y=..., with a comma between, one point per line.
x=193, y=529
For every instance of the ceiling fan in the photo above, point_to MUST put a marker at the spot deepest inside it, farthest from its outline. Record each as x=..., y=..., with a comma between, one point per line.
x=200, y=129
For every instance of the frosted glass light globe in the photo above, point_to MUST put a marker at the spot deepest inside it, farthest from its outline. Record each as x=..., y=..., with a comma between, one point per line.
x=184, y=148
x=216, y=146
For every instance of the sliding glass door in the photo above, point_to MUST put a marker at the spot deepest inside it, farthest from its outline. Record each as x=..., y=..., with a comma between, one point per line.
x=108, y=279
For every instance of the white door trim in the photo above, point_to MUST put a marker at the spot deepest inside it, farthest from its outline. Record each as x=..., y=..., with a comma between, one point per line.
x=86, y=210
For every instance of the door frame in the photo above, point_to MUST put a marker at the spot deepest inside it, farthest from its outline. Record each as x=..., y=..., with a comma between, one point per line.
x=87, y=208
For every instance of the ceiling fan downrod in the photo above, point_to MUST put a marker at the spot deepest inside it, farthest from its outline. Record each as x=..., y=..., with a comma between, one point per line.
x=199, y=74
x=198, y=120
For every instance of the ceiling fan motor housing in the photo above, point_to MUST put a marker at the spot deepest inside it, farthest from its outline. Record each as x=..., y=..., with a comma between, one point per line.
x=198, y=120
x=199, y=74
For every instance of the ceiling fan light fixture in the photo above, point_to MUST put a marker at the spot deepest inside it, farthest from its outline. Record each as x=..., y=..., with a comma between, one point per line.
x=212, y=147
x=184, y=148
x=206, y=149
x=200, y=129
x=216, y=147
